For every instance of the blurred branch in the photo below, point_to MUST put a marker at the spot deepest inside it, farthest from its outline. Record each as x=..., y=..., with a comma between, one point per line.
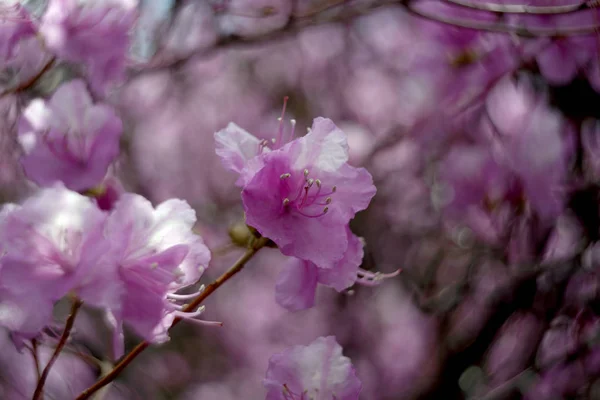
x=522, y=8
x=295, y=24
x=29, y=83
x=347, y=11
x=411, y=6
x=76, y=304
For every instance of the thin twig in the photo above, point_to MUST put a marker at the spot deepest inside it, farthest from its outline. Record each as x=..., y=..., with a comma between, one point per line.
x=36, y=358
x=295, y=24
x=412, y=7
x=125, y=361
x=31, y=81
x=521, y=8
x=63, y=341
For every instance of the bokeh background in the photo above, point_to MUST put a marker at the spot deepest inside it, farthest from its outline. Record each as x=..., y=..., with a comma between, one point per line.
x=484, y=149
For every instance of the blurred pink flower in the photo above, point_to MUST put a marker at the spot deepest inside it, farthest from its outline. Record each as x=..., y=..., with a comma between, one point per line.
x=69, y=138
x=52, y=244
x=318, y=370
x=93, y=33
x=15, y=24
x=532, y=140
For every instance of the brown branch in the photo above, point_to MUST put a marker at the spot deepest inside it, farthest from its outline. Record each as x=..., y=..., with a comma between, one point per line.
x=500, y=27
x=294, y=26
x=521, y=8
x=31, y=81
x=120, y=366
x=62, y=342
x=36, y=358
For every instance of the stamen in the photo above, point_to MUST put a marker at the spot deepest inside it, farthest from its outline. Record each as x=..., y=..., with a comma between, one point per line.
x=285, y=176
x=333, y=189
x=368, y=278
x=190, y=316
x=196, y=313
x=306, y=172
x=310, y=182
x=286, y=201
x=205, y=323
x=293, y=131
x=280, y=119
x=184, y=297
x=261, y=146
x=310, y=216
x=318, y=182
x=325, y=210
x=328, y=200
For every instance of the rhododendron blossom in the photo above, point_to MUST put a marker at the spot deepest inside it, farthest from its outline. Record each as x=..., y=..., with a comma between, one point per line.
x=317, y=371
x=301, y=194
x=94, y=33
x=15, y=25
x=157, y=255
x=52, y=244
x=69, y=138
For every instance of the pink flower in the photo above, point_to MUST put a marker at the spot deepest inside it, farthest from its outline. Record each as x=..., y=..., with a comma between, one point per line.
x=297, y=283
x=52, y=244
x=69, y=138
x=15, y=24
x=559, y=59
x=532, y=140
x=158, y=254
x=301, y=194
x=317, y=371
x=93, y=33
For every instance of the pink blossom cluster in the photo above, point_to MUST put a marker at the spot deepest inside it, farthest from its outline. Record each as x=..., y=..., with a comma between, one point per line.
x=129, y=262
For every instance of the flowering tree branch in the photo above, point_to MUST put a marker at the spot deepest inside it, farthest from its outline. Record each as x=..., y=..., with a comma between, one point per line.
x=120, y=366
x=76, y=304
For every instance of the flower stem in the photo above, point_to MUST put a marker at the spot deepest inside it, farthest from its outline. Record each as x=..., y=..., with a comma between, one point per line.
x=36, y=358
x=120, y=366
x=62, y=342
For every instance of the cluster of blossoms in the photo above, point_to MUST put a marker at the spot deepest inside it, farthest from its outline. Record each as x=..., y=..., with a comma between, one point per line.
x=130, y=261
